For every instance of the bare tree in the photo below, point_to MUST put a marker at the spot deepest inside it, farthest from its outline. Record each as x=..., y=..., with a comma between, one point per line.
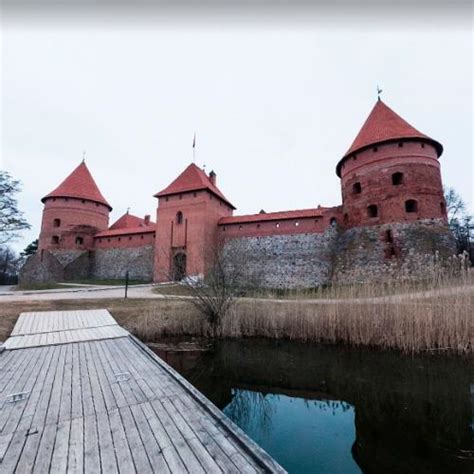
x=11, y=218
x=460, y=222
x=228, y=276
x=9, y=265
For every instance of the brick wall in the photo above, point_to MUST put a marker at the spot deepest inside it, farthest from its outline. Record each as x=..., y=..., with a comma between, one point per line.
x=367, y=180
x=69, y=218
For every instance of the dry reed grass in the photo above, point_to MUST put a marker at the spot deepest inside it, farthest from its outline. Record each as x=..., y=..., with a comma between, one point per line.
x=438, y=319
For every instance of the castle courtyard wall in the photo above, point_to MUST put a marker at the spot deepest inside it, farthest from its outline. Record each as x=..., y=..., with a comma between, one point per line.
x=113, y=263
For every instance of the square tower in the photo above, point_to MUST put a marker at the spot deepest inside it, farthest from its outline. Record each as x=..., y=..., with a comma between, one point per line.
x=189, y=210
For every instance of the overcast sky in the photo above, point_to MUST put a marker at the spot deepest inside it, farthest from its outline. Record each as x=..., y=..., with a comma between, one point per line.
x=275, y=98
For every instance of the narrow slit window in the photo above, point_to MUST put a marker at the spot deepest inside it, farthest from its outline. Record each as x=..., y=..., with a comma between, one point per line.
x=356, y=188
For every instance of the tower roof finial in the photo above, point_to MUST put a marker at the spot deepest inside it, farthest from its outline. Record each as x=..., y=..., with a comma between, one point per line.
x=379, y=91
x=84, y=156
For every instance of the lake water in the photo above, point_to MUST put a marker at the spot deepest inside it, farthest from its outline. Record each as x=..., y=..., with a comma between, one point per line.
x=322, y=409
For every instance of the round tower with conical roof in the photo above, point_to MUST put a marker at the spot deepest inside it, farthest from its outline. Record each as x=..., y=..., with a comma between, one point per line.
x=391, y=173
x=73, y=213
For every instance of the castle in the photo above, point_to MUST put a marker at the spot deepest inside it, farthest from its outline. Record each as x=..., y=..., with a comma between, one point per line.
x=392, y=207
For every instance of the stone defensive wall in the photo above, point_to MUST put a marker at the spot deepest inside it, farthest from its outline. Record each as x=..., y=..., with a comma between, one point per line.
x=307, y=259
x=99, y=264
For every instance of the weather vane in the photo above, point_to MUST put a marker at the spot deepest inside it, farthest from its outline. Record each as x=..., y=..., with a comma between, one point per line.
x=379, y=91
x=84, y=156
x=128, y=210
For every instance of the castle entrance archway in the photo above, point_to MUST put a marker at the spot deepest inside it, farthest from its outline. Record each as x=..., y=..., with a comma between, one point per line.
x=179, y=266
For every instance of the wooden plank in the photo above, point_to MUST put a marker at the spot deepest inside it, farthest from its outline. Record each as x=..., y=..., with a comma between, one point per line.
x=66, y=389
x=91, y=445
x=190, y=460
x=199, y=450
x=76, y=446
x=87, y=401
x=169, y=451
x=61, y=448
x=109, y=398
x=115, y=388
x=108, y=461
x=139, y=454
x=45, y=450
x=17, y=409
x=152, y=448
x=76, y=384
x=122, y=449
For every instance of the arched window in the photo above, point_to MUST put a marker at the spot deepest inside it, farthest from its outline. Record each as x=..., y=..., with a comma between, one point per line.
x=397, y=178
x=333, y=221
x=372, y=210
x=411, y=206
x=56, y=222
x=179, y=217
x=79, y=240
x=356, y=188
x=55, y=239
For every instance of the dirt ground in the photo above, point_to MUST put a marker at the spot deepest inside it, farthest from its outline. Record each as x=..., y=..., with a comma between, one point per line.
x=124, y=311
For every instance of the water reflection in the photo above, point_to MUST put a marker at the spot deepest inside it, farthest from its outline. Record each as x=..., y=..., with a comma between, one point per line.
x=324, y=409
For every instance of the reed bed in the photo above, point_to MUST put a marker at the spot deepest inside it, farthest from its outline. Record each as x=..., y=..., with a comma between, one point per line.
x=437, y=319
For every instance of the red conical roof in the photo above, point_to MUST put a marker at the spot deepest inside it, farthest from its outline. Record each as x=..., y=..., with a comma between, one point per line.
x=79, y=184
x=383, y=125
x=192, y=178
x=129, y=221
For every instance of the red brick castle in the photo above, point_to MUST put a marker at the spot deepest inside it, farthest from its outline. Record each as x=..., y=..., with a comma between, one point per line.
x=392, y=207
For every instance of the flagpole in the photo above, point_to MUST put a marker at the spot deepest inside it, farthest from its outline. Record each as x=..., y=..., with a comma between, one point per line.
x=194, y=148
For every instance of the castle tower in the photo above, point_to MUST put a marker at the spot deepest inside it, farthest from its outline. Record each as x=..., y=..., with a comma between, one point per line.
x=391, y=173
x=73, y=213
x=186, y=226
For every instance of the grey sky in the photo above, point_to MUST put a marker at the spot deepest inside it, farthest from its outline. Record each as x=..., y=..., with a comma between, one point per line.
x=275, y=100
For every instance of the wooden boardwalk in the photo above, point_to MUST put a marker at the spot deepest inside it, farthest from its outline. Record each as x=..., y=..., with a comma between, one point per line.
x=78, y=393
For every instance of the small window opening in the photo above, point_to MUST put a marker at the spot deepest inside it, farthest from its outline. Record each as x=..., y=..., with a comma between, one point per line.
x=389, y=236
x=108, y=240
x=422, y=145
x=79, y=240
x=167, y=199
x=194, y=194
x=411, y=206
x=346, y=218
x=442, y=205
x=376, y=149
x=141, y=237
x=83, y=201
x=180, y=196
x=333, y=221
x=55, y=239
x=179, y=217
x=129, y=238
x=397, y=179
x=400, y=145
x=372, y=210
x=240, y=227
x=258, y=226
x=56, y=222
x=119, y=239
x=357, y=188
